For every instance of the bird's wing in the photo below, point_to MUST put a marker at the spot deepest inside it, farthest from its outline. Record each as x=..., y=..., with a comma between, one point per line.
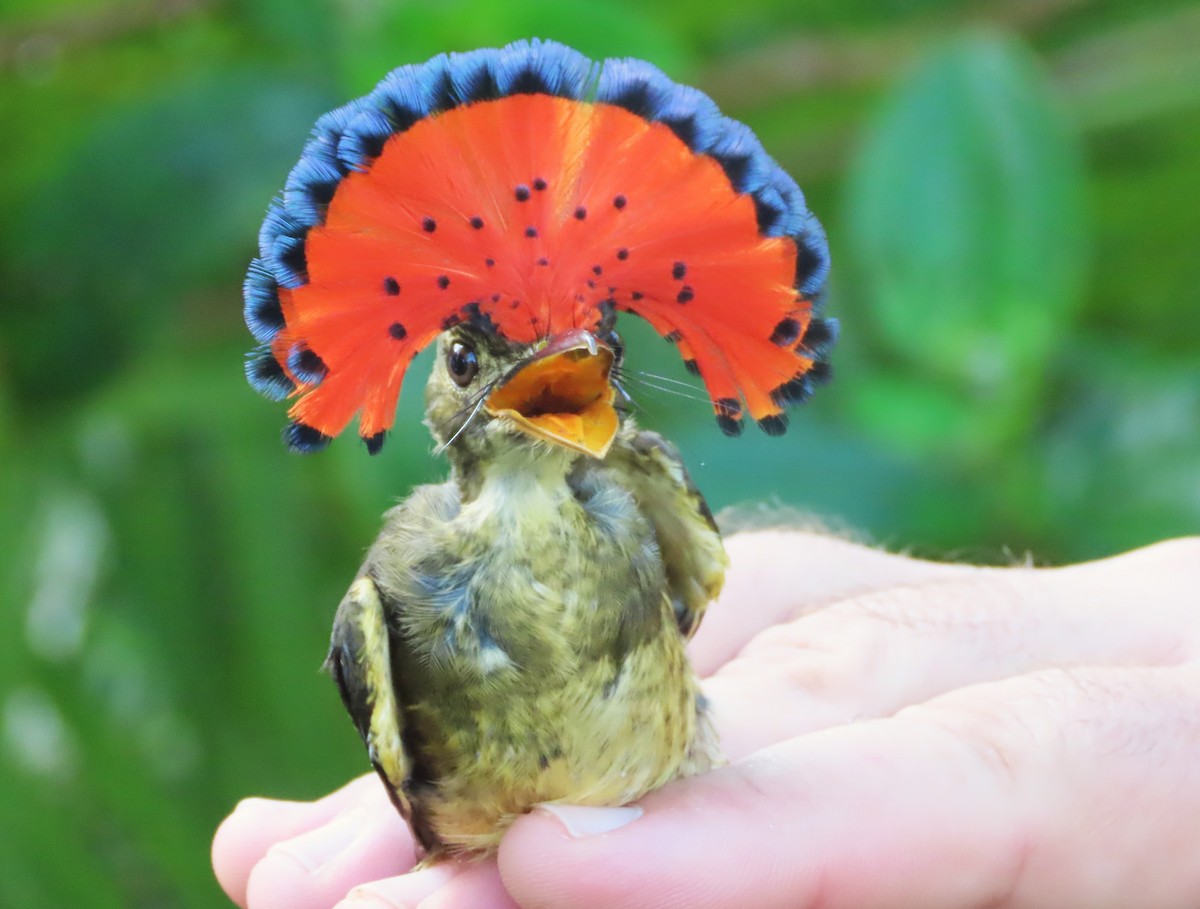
x=687, y=535
x=360, y=662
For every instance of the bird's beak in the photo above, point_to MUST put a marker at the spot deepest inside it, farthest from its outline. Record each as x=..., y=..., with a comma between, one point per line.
x=562, y=394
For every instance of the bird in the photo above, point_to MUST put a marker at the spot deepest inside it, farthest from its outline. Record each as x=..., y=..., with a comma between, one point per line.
x=516, y=635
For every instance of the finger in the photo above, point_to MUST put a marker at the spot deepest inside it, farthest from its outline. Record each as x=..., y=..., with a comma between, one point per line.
x=478, y=886
x=447, y=885
x=1054, y=789
x=403, y=891
x=256, y=824
x=775, y=576
x=873, y=654
x=318, y=868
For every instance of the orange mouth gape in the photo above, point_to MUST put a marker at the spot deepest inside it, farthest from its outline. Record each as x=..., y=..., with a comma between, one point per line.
x=563, y=395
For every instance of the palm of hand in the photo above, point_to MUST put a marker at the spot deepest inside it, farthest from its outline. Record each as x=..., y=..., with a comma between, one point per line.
x=901, y=733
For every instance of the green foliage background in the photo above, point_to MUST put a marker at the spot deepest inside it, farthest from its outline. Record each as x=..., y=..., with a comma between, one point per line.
x=1010, y=192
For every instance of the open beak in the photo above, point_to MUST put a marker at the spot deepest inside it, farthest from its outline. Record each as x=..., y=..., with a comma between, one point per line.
x=562, y=394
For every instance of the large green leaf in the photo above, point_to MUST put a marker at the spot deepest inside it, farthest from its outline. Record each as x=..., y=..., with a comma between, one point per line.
x=967, y=231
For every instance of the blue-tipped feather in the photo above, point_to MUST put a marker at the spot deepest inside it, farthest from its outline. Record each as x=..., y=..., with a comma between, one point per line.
x=306, y=365
x=691, y=115
x=639, y=87
x=737, y=149
x=364, y=139
x=281, y=245
x=263, y=314
x=819, y=339
x=411, y=93
x=311, y=184
x=266, y=376
x=473, y=76
x=547, y=67
x=304, y=439
x=812, y=257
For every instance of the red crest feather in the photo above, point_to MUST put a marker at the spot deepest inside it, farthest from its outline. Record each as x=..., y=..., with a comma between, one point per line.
x=531, y=214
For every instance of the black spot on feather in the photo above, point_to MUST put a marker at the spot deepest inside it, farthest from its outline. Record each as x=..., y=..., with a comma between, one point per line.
x=428, y=225
x=685, y=295
x=303, y=438
x=637, y=99
x=291, y=253
x=539, y=184
x=306, y=365
x=786, y=332
x=391, y=286
x=267, y=377
x=443, y=281
x=477, y=222
x=398, y=331
x=736, y=166
x=794, y=391
x=767, y=211
x=530, y=82
x=375, y=443
x=729, y=416
x=580, y=213
x=622, y=254
x=521, y=193
x=684, y=128
x=820, y=335
x=619, y=202
x=808, y=261
x=821, y=372
x=775, y=425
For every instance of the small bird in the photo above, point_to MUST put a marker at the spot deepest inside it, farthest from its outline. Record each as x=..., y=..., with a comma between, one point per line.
x=516, y=635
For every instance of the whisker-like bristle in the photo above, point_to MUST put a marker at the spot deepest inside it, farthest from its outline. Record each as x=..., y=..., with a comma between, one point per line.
x=474, y=408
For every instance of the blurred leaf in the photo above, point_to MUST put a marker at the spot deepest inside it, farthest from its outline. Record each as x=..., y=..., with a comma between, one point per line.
x=156, y=198
x=965, y=223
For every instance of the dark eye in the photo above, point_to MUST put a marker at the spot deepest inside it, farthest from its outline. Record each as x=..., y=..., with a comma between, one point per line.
x=462, y=363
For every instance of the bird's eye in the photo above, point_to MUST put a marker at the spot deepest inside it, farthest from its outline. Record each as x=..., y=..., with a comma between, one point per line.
x=462, y=363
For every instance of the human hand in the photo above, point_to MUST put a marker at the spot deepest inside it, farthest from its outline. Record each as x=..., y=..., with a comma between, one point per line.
x=901, y=733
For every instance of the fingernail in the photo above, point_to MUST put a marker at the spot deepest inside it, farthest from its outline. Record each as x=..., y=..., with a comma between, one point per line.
x=582, y=820
x=315, y=848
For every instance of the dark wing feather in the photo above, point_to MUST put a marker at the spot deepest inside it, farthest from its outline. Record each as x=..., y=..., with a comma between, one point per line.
x=360, y=662
x=688, y=538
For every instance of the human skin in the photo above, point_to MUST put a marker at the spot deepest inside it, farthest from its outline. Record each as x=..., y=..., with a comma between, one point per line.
x=901, y=733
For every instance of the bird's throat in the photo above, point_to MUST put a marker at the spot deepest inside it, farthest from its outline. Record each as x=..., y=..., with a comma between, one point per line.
x=563, y=395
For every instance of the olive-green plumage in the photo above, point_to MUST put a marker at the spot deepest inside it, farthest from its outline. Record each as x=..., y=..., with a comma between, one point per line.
x=516, y=635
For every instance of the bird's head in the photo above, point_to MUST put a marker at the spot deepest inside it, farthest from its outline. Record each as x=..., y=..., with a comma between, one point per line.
x=557, y=394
